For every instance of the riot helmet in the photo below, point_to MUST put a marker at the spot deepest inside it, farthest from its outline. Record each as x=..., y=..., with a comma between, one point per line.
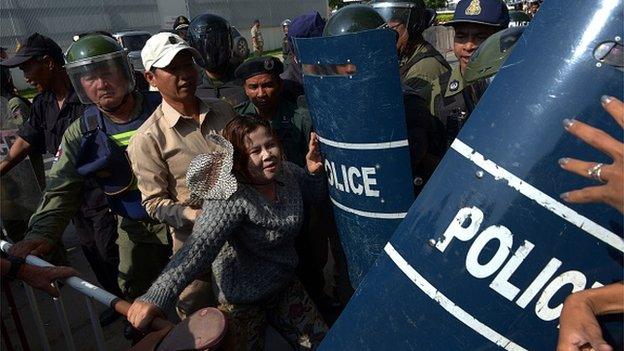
x=412, y=13
x=211, y=36
x=487, y=59
x=352, y=19
x=97, y=65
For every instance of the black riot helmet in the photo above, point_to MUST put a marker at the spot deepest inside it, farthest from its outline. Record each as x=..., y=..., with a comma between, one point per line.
x=412, y=13
x=352, y=19
x=211, y=36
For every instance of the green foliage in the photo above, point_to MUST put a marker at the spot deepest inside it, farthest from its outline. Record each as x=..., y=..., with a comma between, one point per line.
x=435, y=4
x=28, y=93
x=444, y=17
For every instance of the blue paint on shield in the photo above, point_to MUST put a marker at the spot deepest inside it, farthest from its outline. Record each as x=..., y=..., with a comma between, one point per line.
x=360, y=119
x=488, y=252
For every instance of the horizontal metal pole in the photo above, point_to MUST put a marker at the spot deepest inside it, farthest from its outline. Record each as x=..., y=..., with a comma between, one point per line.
x=83, y=286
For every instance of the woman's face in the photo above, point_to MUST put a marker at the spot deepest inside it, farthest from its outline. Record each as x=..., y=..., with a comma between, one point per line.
x=265, y=156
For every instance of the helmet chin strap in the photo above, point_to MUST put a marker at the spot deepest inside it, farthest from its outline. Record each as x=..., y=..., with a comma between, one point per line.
x=118, y=107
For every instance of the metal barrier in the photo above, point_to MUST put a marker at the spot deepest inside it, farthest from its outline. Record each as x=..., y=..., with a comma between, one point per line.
x=91, y=293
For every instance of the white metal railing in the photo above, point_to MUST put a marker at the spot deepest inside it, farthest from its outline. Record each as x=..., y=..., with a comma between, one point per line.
x=91, y=293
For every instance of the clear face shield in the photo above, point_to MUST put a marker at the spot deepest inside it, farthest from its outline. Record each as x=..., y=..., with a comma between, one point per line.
x=394, y=16
x=103, y=80
x=216, y=47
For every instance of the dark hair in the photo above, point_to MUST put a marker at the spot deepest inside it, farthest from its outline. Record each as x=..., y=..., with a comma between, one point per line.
x=236, y=132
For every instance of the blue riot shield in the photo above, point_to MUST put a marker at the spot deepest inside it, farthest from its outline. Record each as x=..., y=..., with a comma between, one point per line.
x=488, y=252
x=354, y=96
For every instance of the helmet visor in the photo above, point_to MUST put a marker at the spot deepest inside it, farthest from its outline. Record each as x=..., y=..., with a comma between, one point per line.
x=215, y=45
x=394, y=15
x=102, y=80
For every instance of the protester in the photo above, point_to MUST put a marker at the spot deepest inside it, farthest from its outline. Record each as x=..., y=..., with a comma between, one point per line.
x=252, y=211
x=579, y=329
x=165, y=144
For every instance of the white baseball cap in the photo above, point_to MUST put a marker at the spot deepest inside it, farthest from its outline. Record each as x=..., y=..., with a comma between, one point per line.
x=161, y=48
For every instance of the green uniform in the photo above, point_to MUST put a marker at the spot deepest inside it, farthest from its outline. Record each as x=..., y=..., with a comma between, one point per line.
x=144, y=247
x=447, y=102
x=292, y=126
x=421, y=68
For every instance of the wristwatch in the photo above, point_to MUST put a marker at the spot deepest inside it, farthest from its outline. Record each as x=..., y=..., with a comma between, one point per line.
x=16, y=264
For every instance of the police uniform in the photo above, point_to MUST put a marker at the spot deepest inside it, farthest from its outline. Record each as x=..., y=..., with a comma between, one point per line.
x=449, y=101
x=292, y=126
x=227, y=88
x=144, y=247
x=421, y=68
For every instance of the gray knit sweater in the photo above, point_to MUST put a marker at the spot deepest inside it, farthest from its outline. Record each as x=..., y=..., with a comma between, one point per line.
x=248, y=239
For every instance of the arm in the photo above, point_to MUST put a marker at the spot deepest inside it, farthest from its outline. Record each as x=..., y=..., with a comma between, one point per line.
x=152, y=173
x=19, y=150
x=578, y=324
x=312, y=179
x=212, y=229
x=61, y=200
x=39, y=277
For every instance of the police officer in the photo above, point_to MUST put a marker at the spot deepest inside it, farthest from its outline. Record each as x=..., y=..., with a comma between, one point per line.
x=53, y=110
x=474, y=21
x=93, y=148
x=263, y=86
x=180, y=27
x=419, y=62
x=424, y=132
x=486, y=61
x=211, y=36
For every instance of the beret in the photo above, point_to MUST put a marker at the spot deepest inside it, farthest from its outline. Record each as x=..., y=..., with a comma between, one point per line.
x=259, y=65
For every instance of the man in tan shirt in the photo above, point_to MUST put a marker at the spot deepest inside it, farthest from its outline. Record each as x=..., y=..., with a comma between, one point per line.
x=163, y=147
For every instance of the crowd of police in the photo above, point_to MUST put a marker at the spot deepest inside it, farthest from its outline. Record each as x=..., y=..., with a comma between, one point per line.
x=123, y=144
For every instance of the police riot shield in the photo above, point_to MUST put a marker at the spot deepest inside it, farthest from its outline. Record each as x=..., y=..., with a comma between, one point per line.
x=20, y=192
x=488, y=252
x=354, y=96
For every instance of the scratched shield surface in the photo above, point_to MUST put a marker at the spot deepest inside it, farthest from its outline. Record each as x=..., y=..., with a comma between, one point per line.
x=354, y=95
x=488, y=251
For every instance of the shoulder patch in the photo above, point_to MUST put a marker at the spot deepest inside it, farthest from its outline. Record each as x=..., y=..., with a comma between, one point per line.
x=454, y=85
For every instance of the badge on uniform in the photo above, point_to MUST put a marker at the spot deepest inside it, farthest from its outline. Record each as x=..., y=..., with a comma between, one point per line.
x=268, y=64
x=57, y=155
x=454, y=85
x=474, y=9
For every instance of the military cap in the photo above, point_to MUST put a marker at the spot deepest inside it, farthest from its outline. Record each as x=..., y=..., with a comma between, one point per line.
x=181, y=22
x=259, y=65
x=487, y=12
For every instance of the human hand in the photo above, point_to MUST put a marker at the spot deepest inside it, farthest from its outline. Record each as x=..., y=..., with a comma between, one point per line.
x=141, y=314
x=314, y=161
x=35, y=247
x=611, y=175
x=42, y=277
x=578, y=327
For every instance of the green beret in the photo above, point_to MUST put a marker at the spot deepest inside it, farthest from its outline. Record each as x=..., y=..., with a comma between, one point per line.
x=259, y=65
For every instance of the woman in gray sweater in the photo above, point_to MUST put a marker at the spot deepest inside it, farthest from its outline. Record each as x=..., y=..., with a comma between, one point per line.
x=252, y=211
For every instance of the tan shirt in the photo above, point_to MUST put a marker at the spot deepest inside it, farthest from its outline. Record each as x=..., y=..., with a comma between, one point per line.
x=161, y=151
